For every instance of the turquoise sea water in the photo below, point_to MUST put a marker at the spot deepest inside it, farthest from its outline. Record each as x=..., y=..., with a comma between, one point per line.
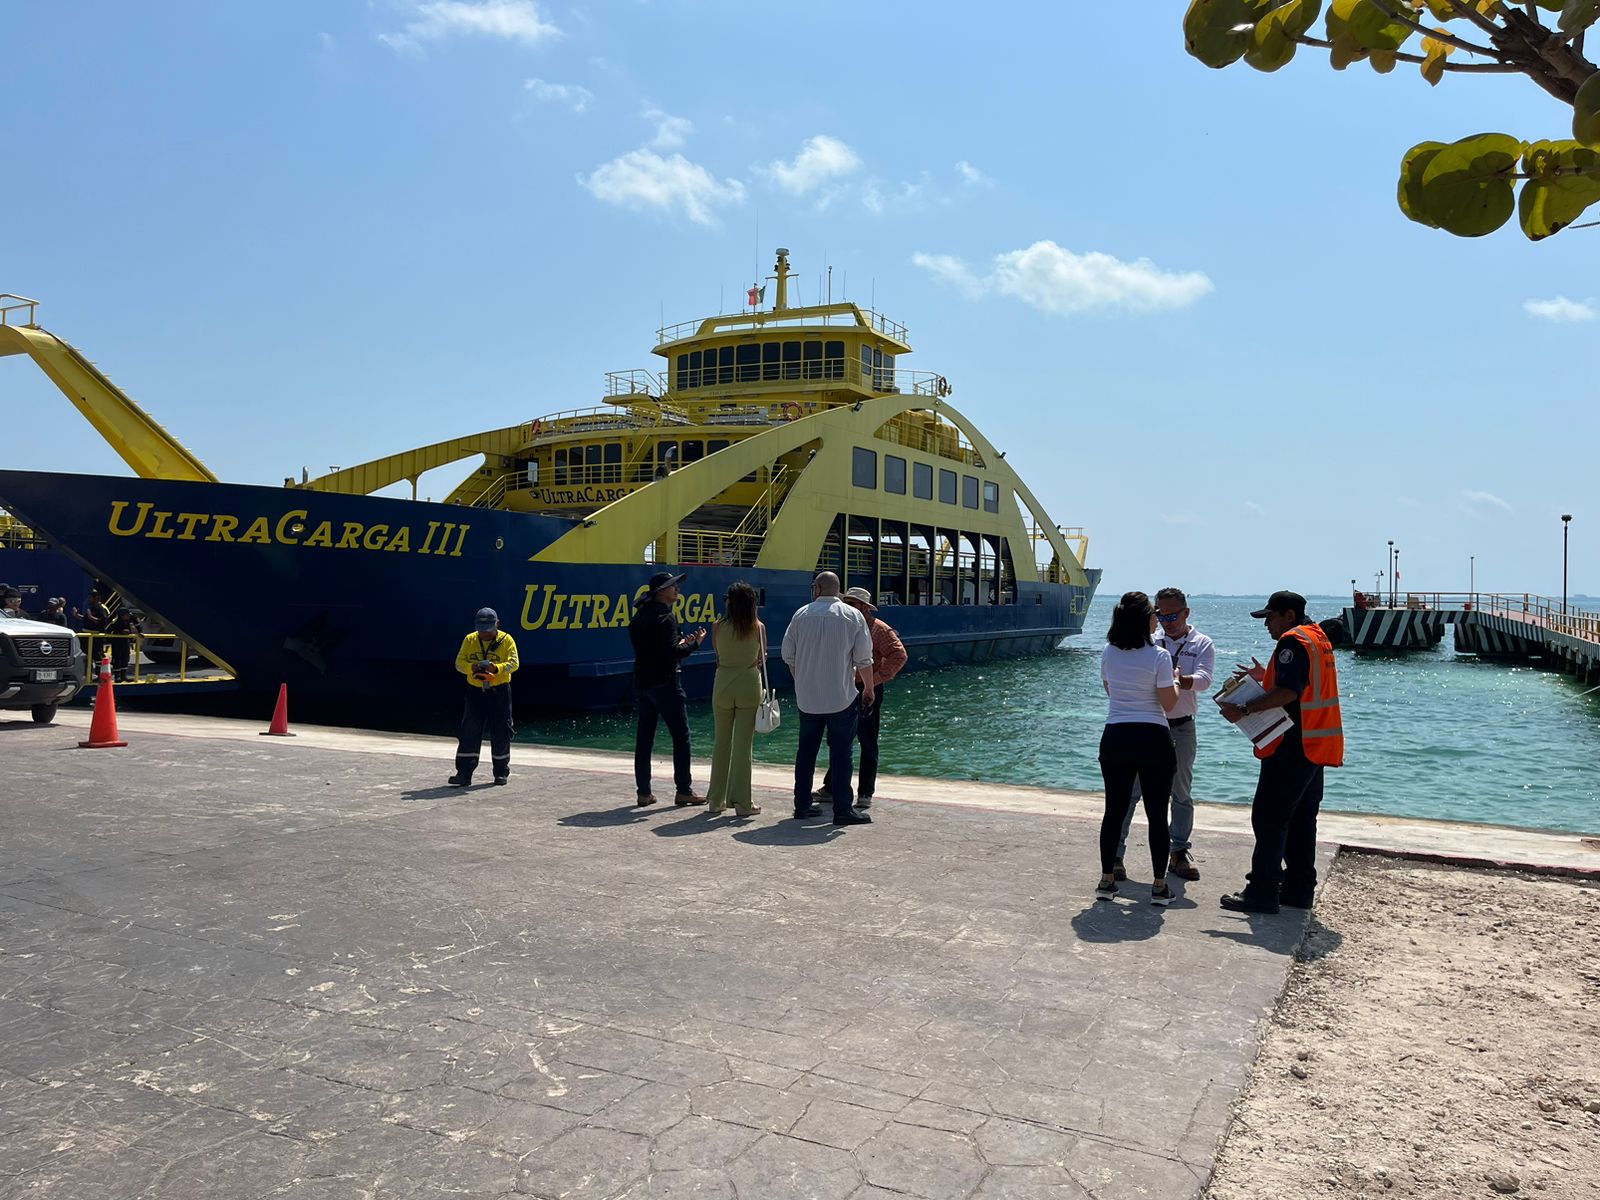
x=1427, y=734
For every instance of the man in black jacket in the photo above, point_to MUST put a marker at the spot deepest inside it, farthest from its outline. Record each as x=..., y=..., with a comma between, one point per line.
x=658, y=649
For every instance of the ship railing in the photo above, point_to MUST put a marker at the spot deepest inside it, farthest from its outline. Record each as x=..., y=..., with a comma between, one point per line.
x=914, y=431
x=638, y=382
x=140, y=672
x=852, y=372
x=715, y=548
x=493, y=494
x=588, y=420
x=14, y=535
x=13, y=308
x=611, y=474
x=767, y=318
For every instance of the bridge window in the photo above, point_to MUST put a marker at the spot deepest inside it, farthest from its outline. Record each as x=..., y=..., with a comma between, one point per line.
x=716, y=444
x=561, y=467
x=833, y=360
x=894, y=474
x=864, y=468
x=693, y=451
x=866, y=364
x=791, y=360
x=922, y=481
x=771, y=354
x=748, y=358
x=813, y=360
x=612, y=461
x=888, y=384
x=969, y=491
x=591, y=464
x=991, y=497
x=947, y=487
x=683, y=372
x=724, y=364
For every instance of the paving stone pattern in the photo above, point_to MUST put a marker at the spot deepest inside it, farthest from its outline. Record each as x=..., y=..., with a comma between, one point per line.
x=241, y=970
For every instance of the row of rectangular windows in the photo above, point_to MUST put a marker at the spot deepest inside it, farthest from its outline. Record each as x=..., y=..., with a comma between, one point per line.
x=766, y=362
x=602, y=463
x=864, y=474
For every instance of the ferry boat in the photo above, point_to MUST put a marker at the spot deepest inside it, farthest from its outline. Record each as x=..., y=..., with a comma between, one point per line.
x=770, y=444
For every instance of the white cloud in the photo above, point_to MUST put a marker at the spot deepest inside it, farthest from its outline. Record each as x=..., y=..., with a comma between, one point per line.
x=1057, y=281
x=1477, y=501
x=671, y=131
x=1561, y=309
x=1254, y=509
x=972, y=176
x=570, y=94
x=435, y=20
x=642, y=180
x=821, y=158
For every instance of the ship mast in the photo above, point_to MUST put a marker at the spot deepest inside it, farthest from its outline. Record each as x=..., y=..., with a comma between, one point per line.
x=783, y=276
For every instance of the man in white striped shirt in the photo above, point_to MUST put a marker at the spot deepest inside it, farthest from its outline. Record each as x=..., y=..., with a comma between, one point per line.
x=1194, y=660
x=828, y=648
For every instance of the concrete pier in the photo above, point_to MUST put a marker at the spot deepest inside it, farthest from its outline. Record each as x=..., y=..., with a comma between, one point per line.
x=233, y=966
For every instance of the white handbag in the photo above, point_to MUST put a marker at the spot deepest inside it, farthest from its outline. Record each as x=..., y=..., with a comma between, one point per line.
x=768, y=715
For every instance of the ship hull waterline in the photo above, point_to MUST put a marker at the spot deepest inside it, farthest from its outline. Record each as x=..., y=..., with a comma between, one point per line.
x=362, y=600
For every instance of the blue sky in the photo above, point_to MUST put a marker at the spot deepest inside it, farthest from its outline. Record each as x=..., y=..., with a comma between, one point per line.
x=308, y=233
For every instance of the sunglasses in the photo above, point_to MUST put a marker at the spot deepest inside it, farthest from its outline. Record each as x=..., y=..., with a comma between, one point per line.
x=1169, y=618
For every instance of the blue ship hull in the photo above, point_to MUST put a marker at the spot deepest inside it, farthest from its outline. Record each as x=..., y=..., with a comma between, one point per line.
x=361, y=600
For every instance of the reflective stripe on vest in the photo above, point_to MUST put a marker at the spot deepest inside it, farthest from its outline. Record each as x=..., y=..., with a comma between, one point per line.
x=1322, y=724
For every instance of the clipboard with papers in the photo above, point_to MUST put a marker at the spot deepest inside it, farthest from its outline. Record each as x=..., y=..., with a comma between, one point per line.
x=1261, y=728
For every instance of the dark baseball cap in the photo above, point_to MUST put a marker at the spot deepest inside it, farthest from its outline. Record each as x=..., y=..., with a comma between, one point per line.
x=1282, y=602
x=488, y=618
x=665, y=579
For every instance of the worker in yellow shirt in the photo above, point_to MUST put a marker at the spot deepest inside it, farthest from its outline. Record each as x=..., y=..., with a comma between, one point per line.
x=487, y=658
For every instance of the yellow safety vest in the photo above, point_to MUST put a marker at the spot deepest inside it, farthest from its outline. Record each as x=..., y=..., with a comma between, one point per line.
x=502, y=652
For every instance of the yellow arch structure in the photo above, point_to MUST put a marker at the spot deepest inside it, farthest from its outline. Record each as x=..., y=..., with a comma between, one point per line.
x=620, y=532
x=410, y=465
x=134, y=434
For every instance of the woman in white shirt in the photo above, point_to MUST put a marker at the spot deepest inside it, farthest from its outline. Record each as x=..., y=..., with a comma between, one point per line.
x=1136, y=744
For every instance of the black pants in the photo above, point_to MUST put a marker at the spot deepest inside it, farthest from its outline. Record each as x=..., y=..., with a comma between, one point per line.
x=1284, y=817
x=664, y=702
x=1143, y=752
x=487, y=710
x=867, y=735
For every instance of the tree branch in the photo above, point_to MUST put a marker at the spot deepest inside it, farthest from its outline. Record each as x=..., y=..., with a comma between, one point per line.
x=1462, y=9
x=1437, y=35
x=1494, y=68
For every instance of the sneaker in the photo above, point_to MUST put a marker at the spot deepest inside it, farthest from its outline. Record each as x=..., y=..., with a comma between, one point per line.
x=685, y=799
x=644, y=800
x=854, y=818
x=1240, y=902
x=1106, y=891
x=1182, y=865
x=1161, y=895
x=459, y=780
x=1119, y=873
x=863, y=801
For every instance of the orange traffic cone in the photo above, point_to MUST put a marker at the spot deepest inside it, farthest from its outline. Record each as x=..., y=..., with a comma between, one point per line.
x=280, y=715
x=103, y=725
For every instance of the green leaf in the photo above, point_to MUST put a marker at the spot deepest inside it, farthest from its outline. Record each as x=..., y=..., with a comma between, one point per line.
x=1411, y=167
x=1586, y=111
x=1578, y=15
x=1567, y=181
x=1217, y=32
x=1467, y=188
x=1368, y=24
x=1434, y=54
x=1272, y=42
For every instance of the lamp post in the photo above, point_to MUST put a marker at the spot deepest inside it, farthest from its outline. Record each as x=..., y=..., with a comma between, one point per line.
x=1395, y=580
x=1566, y=518
x=1391, y=572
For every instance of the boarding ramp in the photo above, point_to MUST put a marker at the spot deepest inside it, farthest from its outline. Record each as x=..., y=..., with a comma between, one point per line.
x=134, y=434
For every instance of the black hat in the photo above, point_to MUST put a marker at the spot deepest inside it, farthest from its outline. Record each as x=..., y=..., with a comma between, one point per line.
x=1282, y=602
x=664, y=579
x=487, y=619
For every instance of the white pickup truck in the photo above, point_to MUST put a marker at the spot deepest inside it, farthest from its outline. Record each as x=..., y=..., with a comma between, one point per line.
x=41, y=666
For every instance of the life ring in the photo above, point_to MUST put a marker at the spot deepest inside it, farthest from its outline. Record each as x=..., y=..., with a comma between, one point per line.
x=789, y=415
x=943, y=386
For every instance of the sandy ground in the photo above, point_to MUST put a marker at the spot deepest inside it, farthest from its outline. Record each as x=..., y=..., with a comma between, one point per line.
x=1440, y=1037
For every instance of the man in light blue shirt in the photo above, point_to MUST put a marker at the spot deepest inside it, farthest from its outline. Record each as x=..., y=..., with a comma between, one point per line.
x=828, y=647
x=1194, y=660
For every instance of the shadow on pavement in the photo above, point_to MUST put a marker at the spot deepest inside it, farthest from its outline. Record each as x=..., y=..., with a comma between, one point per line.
x=786, y=831
x=1286, y=932
x=631, y=815
x=698, y=821
x=437, y=792
x=1117, y=921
